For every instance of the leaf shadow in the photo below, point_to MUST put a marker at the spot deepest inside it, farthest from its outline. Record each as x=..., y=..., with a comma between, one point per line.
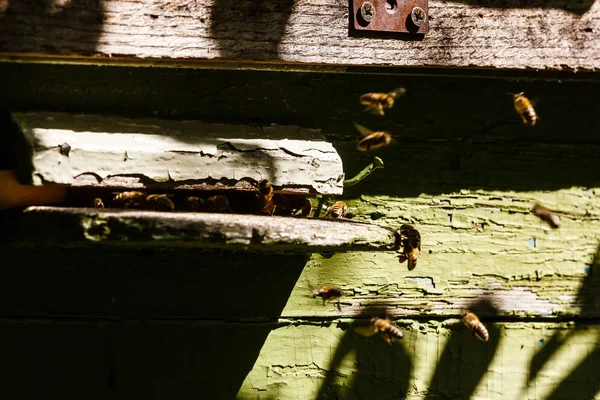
x=472, y=355
x=588, y=299
x=382, y=371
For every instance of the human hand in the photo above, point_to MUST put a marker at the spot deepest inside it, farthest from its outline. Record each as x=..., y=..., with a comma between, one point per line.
x=15, y=195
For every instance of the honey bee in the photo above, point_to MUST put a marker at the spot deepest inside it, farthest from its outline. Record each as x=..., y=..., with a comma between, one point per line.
x=388, y=331
x=525, y=109
x=329, y=293
x=160, y=202
x=265, y=197
x=372, y=140
x=133, y=199
x=472, y=322
x=411, y=245
x=98, y=203
x=193, y=203
x=337, y=210
x=377, y=102
x=546, y=215
x=217, y=204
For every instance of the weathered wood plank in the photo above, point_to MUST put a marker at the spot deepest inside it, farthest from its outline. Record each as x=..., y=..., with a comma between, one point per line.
x=435, y=360
x=64, y=226
x=553, y=34
x=477, y=245
x=139, y=153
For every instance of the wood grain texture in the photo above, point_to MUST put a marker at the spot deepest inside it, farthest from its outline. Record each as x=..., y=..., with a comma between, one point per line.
x=58, y=226
x=553, y=34
x=131, y=153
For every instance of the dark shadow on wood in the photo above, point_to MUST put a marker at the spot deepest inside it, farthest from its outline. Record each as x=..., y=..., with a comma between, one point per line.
x=383, y=371
x=146, y=283
x=77, y=21
x=453, y=132
x=161, y=322
x=261, y=23
x=131, y=359
x=587, y=372
x=465, y=358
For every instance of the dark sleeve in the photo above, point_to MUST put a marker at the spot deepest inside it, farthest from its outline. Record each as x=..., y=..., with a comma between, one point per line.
x=7, y=159
x=15, y=150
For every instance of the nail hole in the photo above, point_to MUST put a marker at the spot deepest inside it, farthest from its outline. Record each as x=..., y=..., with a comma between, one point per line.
x=541, y=342
x=391, y=6
x=449, y=217
x=532, y=243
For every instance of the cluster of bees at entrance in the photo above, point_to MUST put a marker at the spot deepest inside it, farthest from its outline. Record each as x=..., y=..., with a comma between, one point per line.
x=410, y=238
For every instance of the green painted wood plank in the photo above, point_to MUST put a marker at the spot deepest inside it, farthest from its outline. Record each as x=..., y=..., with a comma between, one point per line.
x=435, y=360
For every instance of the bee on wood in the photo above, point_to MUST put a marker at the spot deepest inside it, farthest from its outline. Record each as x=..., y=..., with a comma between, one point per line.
x=329, y=293
x=133, y=199
x=472, y=322
x=98, y=203
x=377, y=102
x=372, y=140
x=265, y=197
x=217, y=204
x=339, y=209
x=525, y=109
x=160, y=202
x=64, y=149
x=411, y=245
x=388, y=331
x=546, y=215
x=193, y=203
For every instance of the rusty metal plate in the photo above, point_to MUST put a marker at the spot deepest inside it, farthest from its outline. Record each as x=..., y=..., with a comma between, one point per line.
x=406, y=16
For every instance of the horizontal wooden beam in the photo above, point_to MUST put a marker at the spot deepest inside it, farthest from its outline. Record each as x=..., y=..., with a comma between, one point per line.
x=552, y=35
x=140, y=153
x=59, y=226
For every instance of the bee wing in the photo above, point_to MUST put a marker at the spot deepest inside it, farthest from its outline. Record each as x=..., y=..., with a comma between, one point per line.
x=363, y=130
x=365, y=330
x=399, y=92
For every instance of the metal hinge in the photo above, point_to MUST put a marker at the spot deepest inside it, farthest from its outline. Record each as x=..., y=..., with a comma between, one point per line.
x=405, y=16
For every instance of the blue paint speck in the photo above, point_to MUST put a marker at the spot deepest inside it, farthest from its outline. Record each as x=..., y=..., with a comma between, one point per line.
x=541, y=342
x=532, y=243
x=587, y=269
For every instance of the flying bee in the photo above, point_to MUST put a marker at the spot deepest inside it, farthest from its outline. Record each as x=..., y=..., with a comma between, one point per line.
x=337, y=210
x=472, y=322
x=546, y=215
x=133, y=199
x=160, y=202
x=217, y=204
x=410, y=239
x=388, y=331
x=377, y=102
x=372, y=140
x=265, y=197
x=525, y=109
x=193, y=203
x=328, y=293
x=98, y=203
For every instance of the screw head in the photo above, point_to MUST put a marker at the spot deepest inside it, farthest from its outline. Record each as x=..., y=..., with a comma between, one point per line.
x=418, y=16
x=367, y=11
